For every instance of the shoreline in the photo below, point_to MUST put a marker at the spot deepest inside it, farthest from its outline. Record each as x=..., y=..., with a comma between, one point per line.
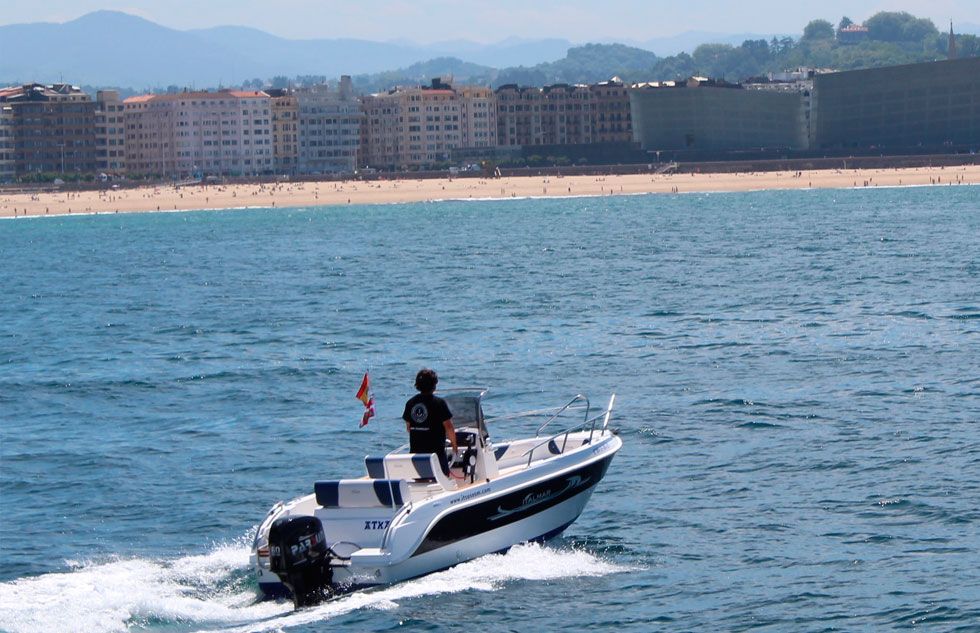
x=361, y=192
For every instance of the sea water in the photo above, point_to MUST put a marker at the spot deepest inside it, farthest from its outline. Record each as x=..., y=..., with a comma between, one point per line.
x=797, y=379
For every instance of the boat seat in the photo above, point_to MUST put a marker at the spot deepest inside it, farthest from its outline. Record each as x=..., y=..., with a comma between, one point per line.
x=408, y=466
x=375, y=465
x=361, y=493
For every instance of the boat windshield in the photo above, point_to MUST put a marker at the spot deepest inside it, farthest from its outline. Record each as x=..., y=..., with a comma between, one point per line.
x=466, y=409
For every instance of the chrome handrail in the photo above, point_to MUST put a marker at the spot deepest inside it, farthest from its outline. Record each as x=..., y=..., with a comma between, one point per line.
x=526, y=414
x=481, y=390
x=563, y=409
x=612, y=399
x=399, y=514
x=604, y=414
x=566, y=432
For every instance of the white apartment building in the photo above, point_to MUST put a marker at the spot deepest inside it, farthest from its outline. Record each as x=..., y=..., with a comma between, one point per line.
x=329, y=128
x=221, y=133
x=478, y=116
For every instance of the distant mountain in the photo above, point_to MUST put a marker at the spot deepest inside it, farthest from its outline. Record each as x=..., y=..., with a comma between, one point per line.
x=509, y=52
x=113, y=48
x=271, y=55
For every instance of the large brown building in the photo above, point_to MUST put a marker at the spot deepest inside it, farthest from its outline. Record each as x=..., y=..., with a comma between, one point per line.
x=6, y=142
x=559, y=114
x=52, y=129
x=420, y=126
x=519, y=115
x=563, y=114
x=611, y=121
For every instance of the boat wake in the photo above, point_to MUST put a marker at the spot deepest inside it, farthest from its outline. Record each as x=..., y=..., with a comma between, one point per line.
x=216, y=592
x=210, y=590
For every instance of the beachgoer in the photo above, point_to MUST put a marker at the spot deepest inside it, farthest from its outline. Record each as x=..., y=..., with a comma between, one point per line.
x=428, y=420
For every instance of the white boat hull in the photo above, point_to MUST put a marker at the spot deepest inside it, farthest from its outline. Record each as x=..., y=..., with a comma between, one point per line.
x=540, y=519
x=533, y=500
x=540, y=527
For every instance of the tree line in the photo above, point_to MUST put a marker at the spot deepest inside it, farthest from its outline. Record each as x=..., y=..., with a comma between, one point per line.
x=892, y=38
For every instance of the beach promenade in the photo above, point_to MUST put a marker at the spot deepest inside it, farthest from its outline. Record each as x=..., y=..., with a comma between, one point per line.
x=357, y=192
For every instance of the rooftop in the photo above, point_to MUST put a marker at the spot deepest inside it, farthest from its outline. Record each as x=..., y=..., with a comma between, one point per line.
x=199, y=94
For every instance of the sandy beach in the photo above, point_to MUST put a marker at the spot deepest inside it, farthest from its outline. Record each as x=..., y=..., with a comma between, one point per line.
x=305, y=194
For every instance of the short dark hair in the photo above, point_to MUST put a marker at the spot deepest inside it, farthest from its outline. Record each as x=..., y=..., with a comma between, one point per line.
x=426, y=380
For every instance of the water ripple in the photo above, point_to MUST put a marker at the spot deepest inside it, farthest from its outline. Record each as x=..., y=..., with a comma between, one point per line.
x=798, y=380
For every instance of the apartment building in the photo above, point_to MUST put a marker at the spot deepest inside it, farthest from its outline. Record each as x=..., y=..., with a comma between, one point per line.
x=48, y=129
x=285, y=131
x=566, y=114
x=329, y=125
x=110, y=133
x=7, y=171
x=228, y=132
x=416, y=127
x=519, y=115
x=560, y=114
x=478, y=117
x=612, y=119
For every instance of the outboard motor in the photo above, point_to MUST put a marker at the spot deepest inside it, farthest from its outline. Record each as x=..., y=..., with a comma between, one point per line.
x=299, y=555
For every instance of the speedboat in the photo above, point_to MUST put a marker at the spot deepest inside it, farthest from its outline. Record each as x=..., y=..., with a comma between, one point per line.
x=407, y=518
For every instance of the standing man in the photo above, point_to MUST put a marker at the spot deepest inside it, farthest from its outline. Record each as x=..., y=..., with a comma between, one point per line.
x=428, y=420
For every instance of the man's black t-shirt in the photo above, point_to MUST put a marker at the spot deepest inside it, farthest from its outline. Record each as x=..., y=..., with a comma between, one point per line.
x=425, y=414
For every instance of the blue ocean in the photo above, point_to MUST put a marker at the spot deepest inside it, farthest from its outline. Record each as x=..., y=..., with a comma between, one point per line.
x=797, y=380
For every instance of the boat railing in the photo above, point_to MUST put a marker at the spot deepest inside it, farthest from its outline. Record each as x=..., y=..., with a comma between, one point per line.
x=589, y=422
x=554, y=412
x=561, y=410
x=527, y=414
x=397, y=518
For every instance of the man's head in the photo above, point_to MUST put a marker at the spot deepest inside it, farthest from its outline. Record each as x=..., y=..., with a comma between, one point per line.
x=426, y=381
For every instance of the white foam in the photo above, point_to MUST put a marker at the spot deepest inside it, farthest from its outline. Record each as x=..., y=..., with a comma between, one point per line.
x=110, y=597
x=523, y=562
x=215, y=591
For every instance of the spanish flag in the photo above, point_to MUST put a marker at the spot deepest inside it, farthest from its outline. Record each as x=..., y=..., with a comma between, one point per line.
x=364, y=395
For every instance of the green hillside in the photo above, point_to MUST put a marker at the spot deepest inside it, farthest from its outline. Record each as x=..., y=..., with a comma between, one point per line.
x=892, y=38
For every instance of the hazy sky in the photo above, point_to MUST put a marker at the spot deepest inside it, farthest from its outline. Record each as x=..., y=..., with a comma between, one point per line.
x=427, y=21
